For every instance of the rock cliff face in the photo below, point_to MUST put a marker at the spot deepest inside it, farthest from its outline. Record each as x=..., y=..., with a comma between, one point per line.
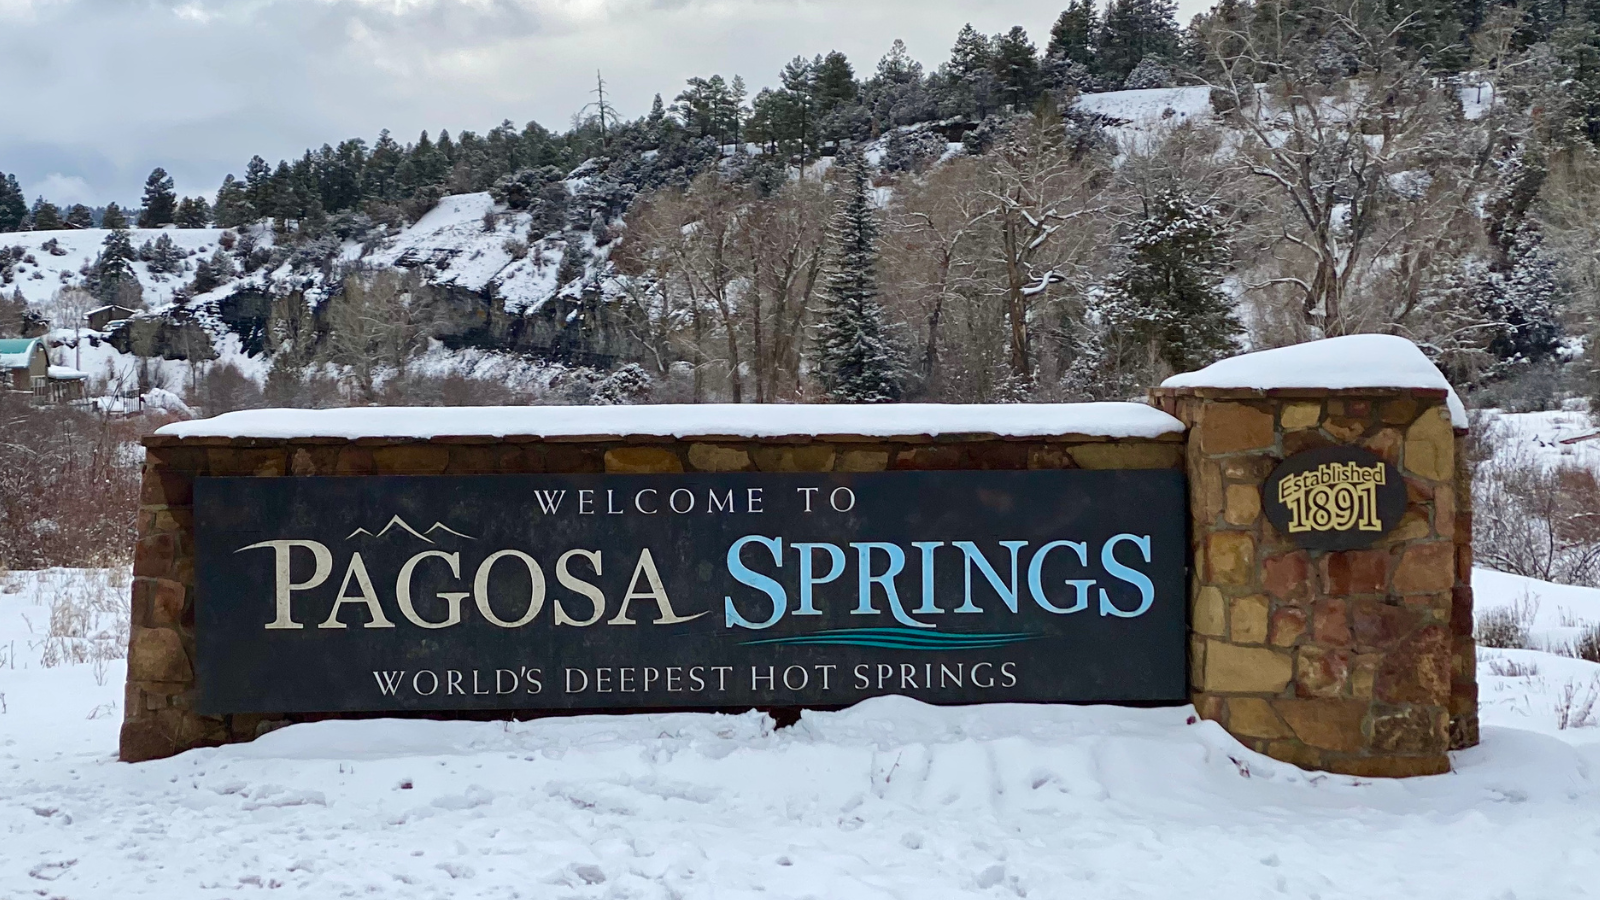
x=491, y=290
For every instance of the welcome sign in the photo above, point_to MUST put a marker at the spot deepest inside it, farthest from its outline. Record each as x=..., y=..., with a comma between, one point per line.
x=526, y=592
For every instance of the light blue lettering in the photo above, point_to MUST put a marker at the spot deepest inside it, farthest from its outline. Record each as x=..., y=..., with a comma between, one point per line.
x=897, y=563
x=1036, y=577
x=972, y=555
x=1147, y=590
x=743, y=575
x=927, y=548
x=807, y=581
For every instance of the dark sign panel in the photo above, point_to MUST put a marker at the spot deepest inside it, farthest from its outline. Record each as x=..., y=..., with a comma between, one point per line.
x=523, y=592
x=1334, y=498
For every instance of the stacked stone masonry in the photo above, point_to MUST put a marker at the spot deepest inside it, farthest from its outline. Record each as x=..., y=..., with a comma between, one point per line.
x=1358, y=661
x=159, y=718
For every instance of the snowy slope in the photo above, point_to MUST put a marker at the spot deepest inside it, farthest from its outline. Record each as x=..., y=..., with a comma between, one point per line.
x=40, y=280
x=1143, y=113
x=891, y=799
x=1538, y=436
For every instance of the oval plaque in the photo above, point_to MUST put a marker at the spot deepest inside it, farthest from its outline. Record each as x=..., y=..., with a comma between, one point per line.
x=1334, y=498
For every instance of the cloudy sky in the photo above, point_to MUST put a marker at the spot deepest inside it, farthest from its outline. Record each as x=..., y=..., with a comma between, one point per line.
x=94, y=93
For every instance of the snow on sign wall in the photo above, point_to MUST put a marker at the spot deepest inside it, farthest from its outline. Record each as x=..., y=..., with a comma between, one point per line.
x=713, y=590
x=371, y=562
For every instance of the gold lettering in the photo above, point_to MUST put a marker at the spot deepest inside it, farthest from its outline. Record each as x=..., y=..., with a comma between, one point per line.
x=1333, y=497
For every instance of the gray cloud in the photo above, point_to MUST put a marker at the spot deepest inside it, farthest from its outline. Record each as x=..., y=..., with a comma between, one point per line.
x=104, y=90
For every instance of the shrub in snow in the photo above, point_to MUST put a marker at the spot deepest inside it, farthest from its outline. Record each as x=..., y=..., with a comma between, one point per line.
x=1151, y=72
x=628, y=384
x=1534, y=519
x=1225, y=100
x=161, y=256
x=1587, y=644
x=1501, y=628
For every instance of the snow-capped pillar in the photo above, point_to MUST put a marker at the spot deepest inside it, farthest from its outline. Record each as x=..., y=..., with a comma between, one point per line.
x=1357, y=661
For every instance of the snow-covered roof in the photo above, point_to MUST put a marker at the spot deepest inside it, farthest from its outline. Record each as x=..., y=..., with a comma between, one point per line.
x=1351, y=362
x=1111, y=420
x=65, y=373
x=15, y=353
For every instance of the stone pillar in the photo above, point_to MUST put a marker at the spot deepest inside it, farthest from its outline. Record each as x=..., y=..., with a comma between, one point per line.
x=1354, y=661
x=1464, y=661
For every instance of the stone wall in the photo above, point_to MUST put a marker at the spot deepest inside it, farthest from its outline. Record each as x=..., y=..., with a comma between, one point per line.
x=159, y=719
x=1356, y=661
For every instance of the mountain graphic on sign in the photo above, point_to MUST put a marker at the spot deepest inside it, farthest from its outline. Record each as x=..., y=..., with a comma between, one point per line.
x=403, y=525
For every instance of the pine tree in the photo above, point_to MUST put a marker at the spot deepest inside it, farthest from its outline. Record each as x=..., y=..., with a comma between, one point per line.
x=1133, y=30
x=113, y=218
x=971, y=54
x=46, y=216
x=897, y=66
x=856, y=356
x=1072, y=37
x=160, y=202
x=1016, y=68
x=258, y=185
x=13, y=204
x=379, y=178
x=1166, y=301
x=1523, y=301
x=193, y=212
x=233, y=208
x=112, y=276
x=80, y=216
x=835, y=81
x=161, y=256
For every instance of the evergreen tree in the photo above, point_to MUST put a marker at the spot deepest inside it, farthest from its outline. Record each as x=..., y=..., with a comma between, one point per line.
x=13, y=204
x=193, y=212
x=1131, y=31
x=1151, y=72
x=46, y=216
x=258, y=185
x=160, y=202
x=113, y=218
x=857, y=359
x=80, y=216
x=112, y=278
x=835, y=81
x=1072, y=37
x=209, y=274
x=1523, y=301
x=233, y=208
x=897, y=66
x=1016, y=68
x=161, y=256
x=971, y=54
x=1166, y=303
x=379, y=178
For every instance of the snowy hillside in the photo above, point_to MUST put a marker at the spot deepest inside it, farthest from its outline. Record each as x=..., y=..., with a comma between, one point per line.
x=889, y=799
x=454, y=243
x=1146, y=112
x=75, y=249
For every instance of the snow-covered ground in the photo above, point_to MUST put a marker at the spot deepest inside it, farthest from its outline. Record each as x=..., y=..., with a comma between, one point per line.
x=1538, y=436
x=48, y=273
x=889, y=799
x=1144, y=115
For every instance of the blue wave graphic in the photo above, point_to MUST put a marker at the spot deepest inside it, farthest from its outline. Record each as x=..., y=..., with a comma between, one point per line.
x=901, y=639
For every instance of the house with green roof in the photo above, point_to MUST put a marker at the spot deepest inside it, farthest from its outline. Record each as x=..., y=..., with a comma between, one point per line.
x=25, y=367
